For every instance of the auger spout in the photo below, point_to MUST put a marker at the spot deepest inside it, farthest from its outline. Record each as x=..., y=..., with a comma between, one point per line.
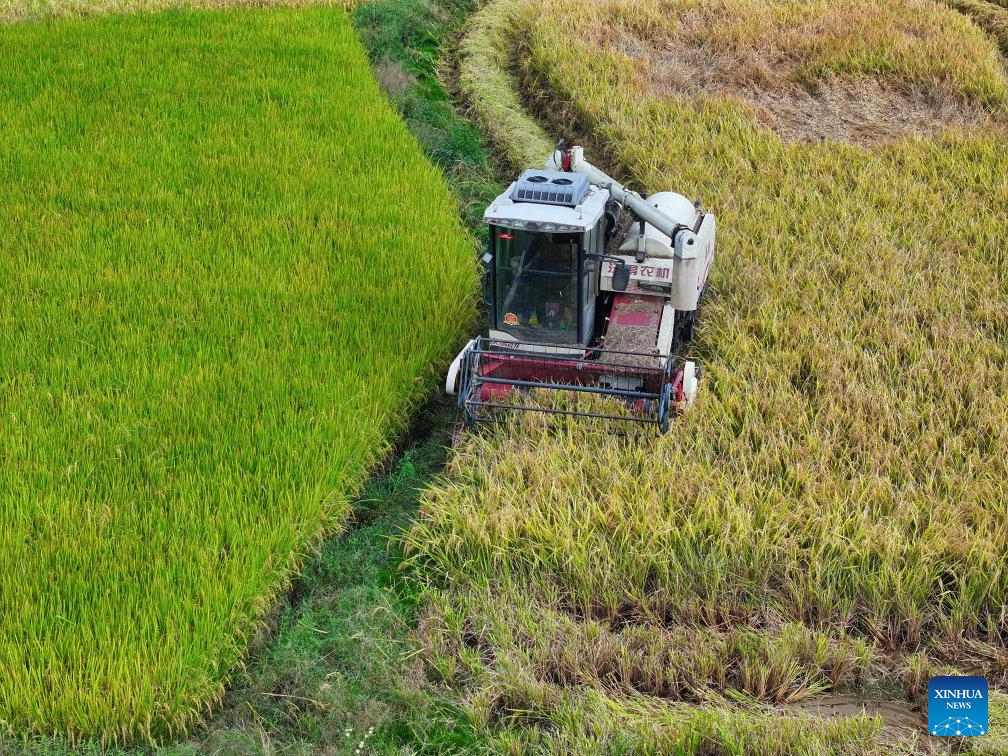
x=629, y=199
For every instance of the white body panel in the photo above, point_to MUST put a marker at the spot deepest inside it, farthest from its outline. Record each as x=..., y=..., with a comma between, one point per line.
x=665, y=330
x=655, y=243
x=507, y=213
x=451, y=381
x=691, y=382
x=691, y=273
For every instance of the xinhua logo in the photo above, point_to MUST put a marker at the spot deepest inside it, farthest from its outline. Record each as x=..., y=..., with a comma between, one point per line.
x=957, y=706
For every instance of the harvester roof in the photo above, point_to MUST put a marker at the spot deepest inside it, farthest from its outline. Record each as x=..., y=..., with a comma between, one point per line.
x=549, y=200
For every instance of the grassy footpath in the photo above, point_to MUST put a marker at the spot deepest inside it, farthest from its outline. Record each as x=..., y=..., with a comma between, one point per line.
x=406, y=40
x=203, y=243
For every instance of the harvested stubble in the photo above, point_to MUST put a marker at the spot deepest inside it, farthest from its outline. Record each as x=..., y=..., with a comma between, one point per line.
x=846, y=467
x=216, y=307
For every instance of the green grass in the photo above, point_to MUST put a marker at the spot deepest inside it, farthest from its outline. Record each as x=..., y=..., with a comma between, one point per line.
x=405, y=40
x=226, y=268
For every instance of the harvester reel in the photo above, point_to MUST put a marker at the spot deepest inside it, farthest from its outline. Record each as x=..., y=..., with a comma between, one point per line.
x=491, y=372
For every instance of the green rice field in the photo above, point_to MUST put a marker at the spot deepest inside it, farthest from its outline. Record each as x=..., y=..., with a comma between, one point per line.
x=226, y=270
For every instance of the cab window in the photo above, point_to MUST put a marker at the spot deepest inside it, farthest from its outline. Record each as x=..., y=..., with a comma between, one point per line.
x=537, y=292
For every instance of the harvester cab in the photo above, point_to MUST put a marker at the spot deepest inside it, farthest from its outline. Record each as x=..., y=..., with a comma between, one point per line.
x=591, y=288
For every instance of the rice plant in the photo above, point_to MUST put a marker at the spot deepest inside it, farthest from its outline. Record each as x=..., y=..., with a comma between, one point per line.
x=226, y=271
x=842, y=482
x=17, y=11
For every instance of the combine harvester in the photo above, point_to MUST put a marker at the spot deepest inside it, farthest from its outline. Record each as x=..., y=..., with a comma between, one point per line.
x=591, y=288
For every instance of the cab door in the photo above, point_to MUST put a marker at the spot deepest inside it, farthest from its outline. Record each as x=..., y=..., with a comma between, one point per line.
x=593, y=243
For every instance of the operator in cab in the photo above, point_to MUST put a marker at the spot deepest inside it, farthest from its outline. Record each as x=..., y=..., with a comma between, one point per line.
x=539, y=285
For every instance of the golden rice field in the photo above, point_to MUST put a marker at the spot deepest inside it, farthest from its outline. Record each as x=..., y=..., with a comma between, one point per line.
x=832, y=518
x=215, y=309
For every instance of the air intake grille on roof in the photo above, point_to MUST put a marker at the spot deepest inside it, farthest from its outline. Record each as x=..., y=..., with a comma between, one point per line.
x=551, y=188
